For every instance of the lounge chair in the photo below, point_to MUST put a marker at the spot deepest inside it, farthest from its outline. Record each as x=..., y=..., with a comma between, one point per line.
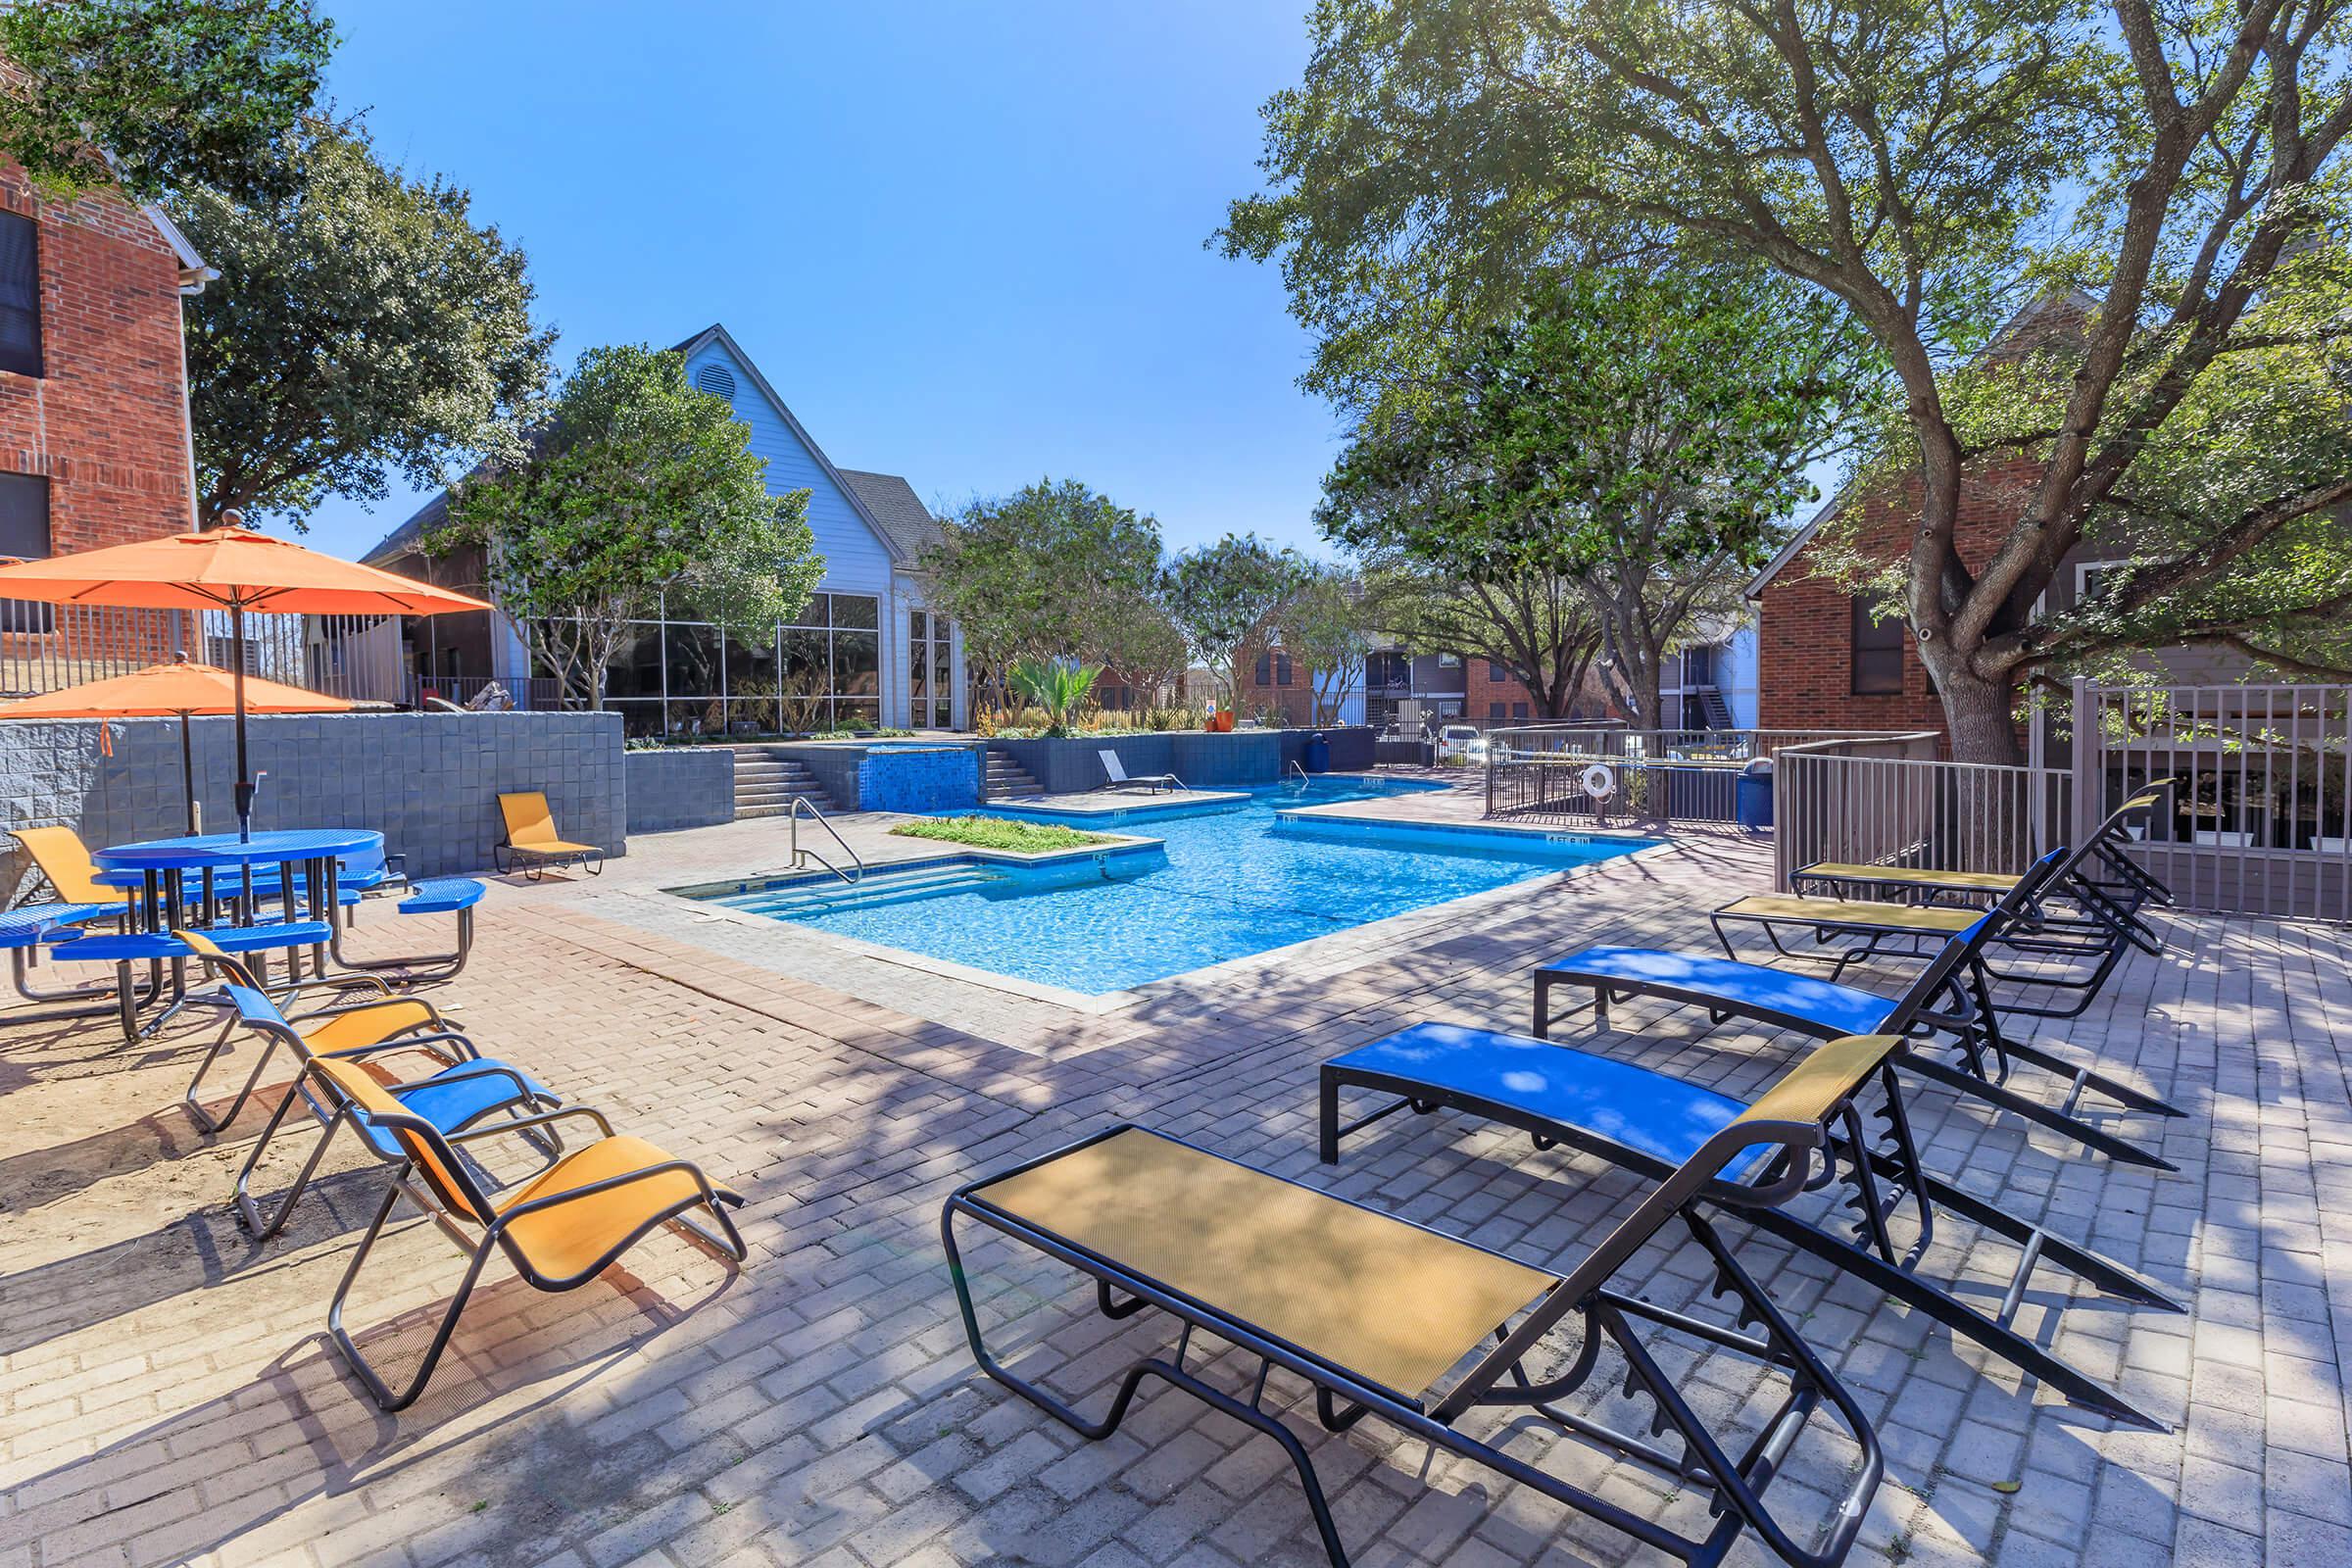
x=2125, y=884
x=1848, y=931
x=559, y=1228
x=374, y=1023
x=1375, y=1312
x=531, y=843
x=64, y=862
x=1951, y=995
x=452, y=1097
x=1116, y=772
x=1644, y=1121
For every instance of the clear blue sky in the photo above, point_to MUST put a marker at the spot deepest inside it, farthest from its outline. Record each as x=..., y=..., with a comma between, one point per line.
x=963, y=241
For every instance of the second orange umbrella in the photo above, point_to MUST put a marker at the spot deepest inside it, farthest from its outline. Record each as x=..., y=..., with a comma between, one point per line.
x=161, y=691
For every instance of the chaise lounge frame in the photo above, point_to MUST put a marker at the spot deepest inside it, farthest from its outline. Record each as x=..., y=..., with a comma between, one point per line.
x=1879, y=1172
x=1791, y=1116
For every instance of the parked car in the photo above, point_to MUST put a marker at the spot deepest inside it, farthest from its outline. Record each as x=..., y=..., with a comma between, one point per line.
x=1462, y=742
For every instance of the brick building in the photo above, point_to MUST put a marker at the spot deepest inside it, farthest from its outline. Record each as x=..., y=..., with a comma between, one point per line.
x=1443, y=685
x=94, y=442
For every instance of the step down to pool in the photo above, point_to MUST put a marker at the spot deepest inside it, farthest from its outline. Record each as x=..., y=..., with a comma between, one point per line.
x=766, y=785
x=1009, y=779
x=876, y=888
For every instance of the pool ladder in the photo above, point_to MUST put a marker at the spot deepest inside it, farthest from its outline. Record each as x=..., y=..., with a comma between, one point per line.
x=1304, y=782
x=800, y=857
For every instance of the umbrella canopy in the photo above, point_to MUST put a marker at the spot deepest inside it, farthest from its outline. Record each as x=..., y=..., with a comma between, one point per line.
x=225, y=569
x=232, y=569
x=162, y=690
x=180, y=688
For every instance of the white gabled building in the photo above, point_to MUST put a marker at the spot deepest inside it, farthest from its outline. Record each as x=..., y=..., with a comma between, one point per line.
x=865, y=651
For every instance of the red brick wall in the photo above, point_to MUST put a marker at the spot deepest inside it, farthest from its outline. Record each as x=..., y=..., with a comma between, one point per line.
x=1805, y=635
x=107, y=423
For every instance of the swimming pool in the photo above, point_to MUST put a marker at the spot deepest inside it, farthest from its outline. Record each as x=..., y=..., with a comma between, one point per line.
x=1227, y=880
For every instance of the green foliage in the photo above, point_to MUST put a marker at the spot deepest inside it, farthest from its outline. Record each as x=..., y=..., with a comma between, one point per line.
x=1933, y=167
x=1002, y=833
x=366, y=327
x=1055, y=571
x=1056, y=685
x=1225, y=597
x=1327, y=627
x=1637, y=432
x=637, y=486
x=177, y=93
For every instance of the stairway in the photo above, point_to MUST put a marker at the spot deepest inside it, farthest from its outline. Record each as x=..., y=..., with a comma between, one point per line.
x=766, y=784
x=1718, y=712
x=1008, y=780
x=829, y=895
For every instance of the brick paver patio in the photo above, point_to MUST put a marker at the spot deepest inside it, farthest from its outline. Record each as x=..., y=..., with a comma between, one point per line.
x=168, y=1395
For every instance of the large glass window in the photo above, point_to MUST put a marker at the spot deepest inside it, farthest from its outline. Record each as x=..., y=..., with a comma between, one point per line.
x=691, y=677
x=930, y=683
x=19, y=294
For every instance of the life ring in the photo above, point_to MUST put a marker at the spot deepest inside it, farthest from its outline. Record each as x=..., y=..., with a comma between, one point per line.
x=1600, y=781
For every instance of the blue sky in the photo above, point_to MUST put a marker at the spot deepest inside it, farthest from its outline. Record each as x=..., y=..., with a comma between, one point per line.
x=963, y=241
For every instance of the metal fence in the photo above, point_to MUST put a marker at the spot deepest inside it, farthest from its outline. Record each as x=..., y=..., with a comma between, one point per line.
x=1831, y=804
x=1687, y=775
x=2260, y=818
x=44, y=648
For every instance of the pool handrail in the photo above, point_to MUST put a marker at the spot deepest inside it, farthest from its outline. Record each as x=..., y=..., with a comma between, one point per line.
x=799, y=804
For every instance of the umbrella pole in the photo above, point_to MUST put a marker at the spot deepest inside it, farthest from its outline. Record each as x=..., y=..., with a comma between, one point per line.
x=188, y=770
x=236, y=653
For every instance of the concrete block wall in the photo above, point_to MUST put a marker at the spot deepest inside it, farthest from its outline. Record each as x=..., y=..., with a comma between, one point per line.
x=679, y=788
x=428, y=782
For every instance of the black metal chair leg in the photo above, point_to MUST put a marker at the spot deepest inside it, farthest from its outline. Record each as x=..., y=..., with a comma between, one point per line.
x=377, y=1389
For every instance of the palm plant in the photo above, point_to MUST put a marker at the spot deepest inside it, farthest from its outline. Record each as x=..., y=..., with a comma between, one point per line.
x=1055, y=686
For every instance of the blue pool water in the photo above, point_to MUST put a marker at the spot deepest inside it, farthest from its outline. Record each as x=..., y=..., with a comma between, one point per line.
x=1232, y=880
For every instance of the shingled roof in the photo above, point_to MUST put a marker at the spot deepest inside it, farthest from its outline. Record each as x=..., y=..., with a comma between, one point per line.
x=892, y=503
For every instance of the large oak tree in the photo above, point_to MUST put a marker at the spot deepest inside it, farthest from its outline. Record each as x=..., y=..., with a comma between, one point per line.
x=1931, y=165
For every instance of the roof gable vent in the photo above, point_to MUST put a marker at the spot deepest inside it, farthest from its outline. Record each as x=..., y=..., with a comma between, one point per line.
x=717, y=380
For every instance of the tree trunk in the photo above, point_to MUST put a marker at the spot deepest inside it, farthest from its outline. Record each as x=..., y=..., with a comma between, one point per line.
x=1981, y=714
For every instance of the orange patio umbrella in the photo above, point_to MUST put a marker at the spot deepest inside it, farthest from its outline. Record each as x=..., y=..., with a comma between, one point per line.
x=181, y=688
x=232, y=569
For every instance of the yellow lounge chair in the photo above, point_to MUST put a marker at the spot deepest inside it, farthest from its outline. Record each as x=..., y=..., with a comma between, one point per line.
x=559, y=1228
x=531, y=843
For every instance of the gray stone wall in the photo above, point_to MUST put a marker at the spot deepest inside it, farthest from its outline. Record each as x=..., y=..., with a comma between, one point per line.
x=681, y=787
x=428, y=782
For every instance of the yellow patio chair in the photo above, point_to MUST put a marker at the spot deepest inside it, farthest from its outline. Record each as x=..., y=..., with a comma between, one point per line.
x=368, y=1025
x=65, y=863
x=531, y=843
x=559, y=1229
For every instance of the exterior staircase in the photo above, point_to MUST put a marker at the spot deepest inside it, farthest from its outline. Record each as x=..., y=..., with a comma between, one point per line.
x=1718, y=712
x=1007, y=780
x=766, y=784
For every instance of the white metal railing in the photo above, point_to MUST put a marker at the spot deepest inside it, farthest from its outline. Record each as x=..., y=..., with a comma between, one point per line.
x=1891, y=811
x=2259, y=819
x=1665, y=774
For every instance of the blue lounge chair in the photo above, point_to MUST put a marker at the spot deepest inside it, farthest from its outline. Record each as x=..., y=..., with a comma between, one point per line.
x=1649, y=1122
x=1951, y=995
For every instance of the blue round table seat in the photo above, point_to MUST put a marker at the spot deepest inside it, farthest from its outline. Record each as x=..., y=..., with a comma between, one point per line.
x=145, y=945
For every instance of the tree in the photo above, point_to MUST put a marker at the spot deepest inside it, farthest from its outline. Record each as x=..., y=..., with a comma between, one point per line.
x=1141, y=645
x=637, y=485
x=1327, y=624
x=1225, y=597
x=1635, y=430
x=368, y=327
x=1537, y=627
x=1056, y=685
x=1931, y=167
x=156, y=95
x=1053, y=570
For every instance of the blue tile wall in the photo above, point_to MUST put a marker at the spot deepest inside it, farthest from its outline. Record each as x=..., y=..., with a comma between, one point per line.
x=945, y=780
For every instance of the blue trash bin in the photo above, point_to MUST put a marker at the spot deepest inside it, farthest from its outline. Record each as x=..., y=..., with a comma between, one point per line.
x=1751, y=794
x=1318, y=754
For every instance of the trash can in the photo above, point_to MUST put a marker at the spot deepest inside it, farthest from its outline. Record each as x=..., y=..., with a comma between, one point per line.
x=1751, y=794
x=1317, y=758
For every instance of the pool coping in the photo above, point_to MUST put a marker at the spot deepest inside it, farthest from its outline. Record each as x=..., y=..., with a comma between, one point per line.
x=701, y=892
x=1100, y=1003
